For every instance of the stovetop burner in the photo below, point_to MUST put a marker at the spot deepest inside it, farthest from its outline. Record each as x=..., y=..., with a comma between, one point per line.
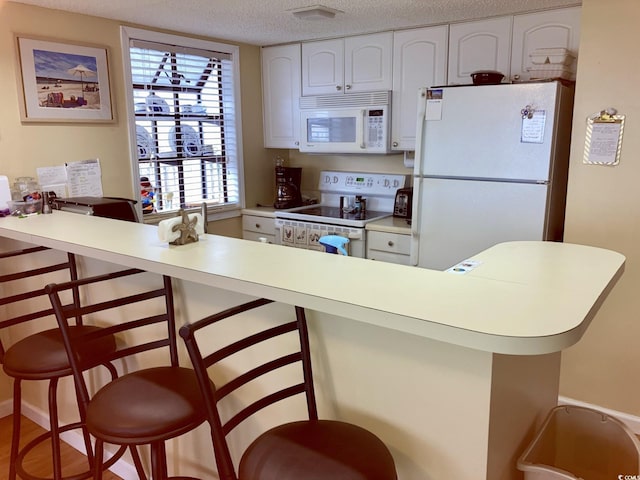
x=337, y=212
x=332, y=215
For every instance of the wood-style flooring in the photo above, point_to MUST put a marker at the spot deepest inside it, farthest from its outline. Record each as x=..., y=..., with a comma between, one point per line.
x=39, y=460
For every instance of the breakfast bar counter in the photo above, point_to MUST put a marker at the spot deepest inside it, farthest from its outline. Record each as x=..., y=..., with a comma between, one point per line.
x=465, y=366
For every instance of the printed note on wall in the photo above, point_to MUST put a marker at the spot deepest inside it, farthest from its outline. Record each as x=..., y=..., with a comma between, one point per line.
x=603, y=140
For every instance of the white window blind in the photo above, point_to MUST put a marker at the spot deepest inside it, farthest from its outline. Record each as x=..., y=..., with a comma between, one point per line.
x=185, y=118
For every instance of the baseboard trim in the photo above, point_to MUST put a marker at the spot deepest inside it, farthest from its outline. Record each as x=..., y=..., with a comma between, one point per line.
x=122, y=468
x=6, y=408
x=631, y=421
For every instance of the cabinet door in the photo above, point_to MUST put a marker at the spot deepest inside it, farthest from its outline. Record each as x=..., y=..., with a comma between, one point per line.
x=323, y=67
x=480, y=45
x=550, y=29
x=419, y=60
x=281, y=96
x=367, y=62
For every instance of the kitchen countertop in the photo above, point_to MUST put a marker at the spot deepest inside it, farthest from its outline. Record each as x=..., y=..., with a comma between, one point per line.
x=390, y=225
x=260, y=211
x=524, y=297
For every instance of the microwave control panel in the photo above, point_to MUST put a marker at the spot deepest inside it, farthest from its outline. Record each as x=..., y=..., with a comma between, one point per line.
x=375, y=128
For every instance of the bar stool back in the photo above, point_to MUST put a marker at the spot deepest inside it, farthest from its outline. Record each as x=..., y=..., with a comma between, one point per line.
x=147, y=404
x=40, y=355
x=310, y=449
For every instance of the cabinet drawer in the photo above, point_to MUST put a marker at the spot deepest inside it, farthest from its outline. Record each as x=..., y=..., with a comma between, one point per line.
x=389, y=242
x=254, y=223
x=256, y=236
x=388, y=257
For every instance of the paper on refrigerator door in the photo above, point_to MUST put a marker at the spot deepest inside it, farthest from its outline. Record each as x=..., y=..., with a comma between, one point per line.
x=533, y=127
x=434, y=104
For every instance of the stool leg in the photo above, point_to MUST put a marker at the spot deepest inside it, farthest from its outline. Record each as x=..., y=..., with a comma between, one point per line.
x=54, y=428
x=15, y=437
x=98, y=456
x=158, y=461
x=137, y=462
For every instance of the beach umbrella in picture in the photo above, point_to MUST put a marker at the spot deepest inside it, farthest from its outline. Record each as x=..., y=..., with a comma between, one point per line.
x=82, y=72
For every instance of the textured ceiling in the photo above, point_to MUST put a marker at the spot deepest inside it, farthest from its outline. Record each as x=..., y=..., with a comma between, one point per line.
x=268, y=22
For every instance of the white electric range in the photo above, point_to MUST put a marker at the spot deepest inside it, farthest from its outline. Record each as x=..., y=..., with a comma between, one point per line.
x=338, y=212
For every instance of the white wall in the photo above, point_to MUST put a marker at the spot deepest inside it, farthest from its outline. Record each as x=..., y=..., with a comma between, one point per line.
x=603, y=207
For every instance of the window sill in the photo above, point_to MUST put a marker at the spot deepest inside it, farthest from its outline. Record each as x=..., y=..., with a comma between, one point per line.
x=213, y=214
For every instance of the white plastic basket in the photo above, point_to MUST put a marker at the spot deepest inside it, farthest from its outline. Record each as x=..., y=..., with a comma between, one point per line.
x=541, y=72
x=581, y=443
x=555, y=56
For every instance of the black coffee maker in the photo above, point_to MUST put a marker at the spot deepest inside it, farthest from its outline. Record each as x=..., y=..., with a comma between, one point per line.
x=288, y=193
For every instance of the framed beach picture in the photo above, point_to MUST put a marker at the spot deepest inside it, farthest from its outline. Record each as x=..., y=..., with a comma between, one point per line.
x=63, y=82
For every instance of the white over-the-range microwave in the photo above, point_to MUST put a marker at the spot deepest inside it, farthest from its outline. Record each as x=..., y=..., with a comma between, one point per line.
x=346, y=123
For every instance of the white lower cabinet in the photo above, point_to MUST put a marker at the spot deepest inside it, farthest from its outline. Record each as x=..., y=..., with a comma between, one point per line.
x=388, y=247
x=255, y=227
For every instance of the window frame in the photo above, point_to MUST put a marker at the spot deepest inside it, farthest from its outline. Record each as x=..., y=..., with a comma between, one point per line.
x=214, y=212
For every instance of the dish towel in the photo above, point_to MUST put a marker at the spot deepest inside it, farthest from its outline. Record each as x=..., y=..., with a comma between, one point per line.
x=165, y=227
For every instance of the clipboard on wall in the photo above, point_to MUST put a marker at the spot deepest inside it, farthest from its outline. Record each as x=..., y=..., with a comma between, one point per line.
x=603, y=141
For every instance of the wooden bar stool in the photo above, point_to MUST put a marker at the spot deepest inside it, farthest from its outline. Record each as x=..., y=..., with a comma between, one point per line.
x=310, y=449
x=148, y=404
x=41, y=355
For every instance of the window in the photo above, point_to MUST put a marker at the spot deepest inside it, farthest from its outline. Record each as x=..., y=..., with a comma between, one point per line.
x=184, y=104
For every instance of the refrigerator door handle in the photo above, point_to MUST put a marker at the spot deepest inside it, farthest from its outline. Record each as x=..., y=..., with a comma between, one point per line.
x=417, y=177
x=420, y=124
x=415, y=222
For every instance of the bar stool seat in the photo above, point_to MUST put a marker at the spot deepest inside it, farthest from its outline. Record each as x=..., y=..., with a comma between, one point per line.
x=146, y=406
x=317, y=450
x=42, y=356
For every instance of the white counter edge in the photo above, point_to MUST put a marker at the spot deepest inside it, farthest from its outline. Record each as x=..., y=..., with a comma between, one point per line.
x=42, y=230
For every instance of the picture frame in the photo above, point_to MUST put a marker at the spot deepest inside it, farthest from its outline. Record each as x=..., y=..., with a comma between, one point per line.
x=63, y=81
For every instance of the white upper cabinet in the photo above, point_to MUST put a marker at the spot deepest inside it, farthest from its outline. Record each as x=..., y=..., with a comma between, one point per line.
x=281, y=95
x=353, y=64
x=550, y=29
x=419, y=60
x=479, y=45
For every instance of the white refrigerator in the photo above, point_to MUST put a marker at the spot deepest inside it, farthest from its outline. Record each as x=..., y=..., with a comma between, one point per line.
x=490, y=166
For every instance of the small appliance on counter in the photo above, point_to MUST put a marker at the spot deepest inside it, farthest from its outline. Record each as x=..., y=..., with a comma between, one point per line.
x=288, y=181
x=109, y=207
x=403, y=204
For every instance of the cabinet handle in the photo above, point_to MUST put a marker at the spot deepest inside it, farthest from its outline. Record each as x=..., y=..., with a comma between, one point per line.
x=348, y=87
x=394, y=144
x=257, y=225
x=338, y=87
x=390, y=243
